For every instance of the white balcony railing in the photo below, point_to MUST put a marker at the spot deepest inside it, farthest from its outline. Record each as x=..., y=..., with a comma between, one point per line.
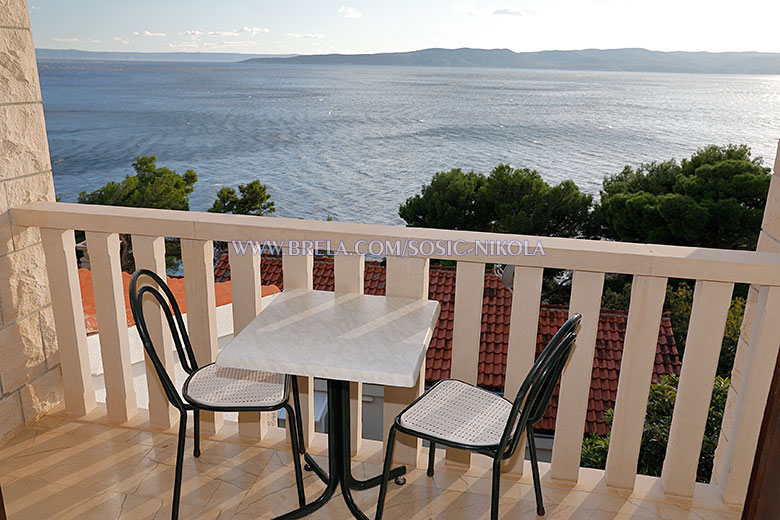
x=715, y=272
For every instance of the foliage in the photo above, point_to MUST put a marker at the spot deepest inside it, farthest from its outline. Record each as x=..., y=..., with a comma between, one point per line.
x=150, y=187
x=448, y=202
x=519, y=201
x=508, y=200
x=728, y=349
x=679, y=303
x=254, y=200
x=655, y=435
x=714, y=199
x=616, y=295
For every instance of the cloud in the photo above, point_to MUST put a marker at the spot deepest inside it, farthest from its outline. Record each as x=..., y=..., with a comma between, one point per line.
x=93, y=40
x=350, y=12
x=254, y=30
x=231, y=44
x=223, y=34
x=184, y=46
x=197, y=34
x=121, y=40
x=147, y=33
x=514, y=12
x=299, y=35
x=68, y=40
x=472, y=8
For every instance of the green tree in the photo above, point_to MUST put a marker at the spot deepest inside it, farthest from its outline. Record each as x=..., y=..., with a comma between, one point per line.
x=679, y=303
x=448, y=202
x=714, y=199
x=150, y=187
x=254, y=200
x=508, y=200
x=519, y=201
x=655, y=435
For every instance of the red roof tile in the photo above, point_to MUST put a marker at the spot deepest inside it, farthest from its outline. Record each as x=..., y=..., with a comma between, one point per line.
x=494, y=338
x=221, y=289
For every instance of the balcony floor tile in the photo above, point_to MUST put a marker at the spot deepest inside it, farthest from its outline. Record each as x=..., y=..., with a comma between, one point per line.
x=87, y=469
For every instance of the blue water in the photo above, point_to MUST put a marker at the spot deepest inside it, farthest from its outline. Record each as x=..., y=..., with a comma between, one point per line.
x=354, y=142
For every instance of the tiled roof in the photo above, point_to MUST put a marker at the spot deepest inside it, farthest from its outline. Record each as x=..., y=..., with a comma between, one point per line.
x=176, y=284
x=496, y=311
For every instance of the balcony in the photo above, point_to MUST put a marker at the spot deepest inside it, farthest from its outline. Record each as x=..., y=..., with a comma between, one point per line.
x=90, y=460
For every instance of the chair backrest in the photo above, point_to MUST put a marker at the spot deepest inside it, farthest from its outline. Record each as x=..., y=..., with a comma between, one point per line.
x=537, y=388
x=171, y=311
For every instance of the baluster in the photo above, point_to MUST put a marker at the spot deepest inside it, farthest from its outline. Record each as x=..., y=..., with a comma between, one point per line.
x=469, y=284
x=349, y=273
x=711, y=301
x=297, y=271
x=107, y=284
x=636, y=371
x=749, y=400
x=198, y=259
x=521, y=350
x=149, y=253
x=406, y=278
x=247, y=297
x=59, y=246
x=575, y=381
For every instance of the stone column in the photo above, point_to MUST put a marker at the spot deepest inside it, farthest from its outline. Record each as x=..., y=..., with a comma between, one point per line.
x=768, y=242
x=30, y=379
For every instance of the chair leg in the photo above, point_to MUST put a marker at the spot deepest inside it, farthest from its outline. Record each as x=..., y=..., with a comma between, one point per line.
x=2, y=507
x=496, y=489
x=380, y=504
x=296, y=455
x=179, y=466
x=196, y=432
x=298, y=415
x=535, y=471
x=431, y=457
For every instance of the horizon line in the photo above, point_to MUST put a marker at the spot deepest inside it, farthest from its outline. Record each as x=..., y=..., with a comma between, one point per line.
x=290, y=54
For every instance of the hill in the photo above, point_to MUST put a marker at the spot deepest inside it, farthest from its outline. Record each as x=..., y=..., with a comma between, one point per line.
x=589, y=59
x=72, y=54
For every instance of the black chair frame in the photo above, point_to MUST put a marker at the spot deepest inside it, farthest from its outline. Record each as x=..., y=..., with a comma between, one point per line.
x=527, y=409
x=188, y=362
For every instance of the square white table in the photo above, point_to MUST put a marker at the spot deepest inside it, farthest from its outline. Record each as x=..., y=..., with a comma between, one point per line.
x=340, y=337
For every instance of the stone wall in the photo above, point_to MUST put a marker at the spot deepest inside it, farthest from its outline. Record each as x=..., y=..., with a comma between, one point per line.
x=30, y=379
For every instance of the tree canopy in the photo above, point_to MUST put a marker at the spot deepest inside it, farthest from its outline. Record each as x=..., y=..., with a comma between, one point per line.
x=448, y=202
x=508, y=200
x=714, y=199
x=254, y=200
x=150, y=187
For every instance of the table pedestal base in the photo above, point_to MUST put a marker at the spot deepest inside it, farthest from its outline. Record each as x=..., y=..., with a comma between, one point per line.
x=339, y=459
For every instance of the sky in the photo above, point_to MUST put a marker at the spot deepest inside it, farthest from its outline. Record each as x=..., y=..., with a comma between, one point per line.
x=354, y=26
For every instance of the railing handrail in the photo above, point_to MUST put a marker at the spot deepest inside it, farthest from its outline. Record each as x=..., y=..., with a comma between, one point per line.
x=721, y=265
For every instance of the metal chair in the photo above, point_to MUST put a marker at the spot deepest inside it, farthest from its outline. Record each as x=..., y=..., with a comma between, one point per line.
x=2, y=507
x=211, y=387
x=457, y=414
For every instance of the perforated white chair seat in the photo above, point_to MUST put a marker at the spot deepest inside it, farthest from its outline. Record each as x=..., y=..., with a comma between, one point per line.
x=215, y=386
x=458, y=412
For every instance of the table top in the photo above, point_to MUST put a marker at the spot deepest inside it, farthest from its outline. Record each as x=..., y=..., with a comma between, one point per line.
x=340, y=336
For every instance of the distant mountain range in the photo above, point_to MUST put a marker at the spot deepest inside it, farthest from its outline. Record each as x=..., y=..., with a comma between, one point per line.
x=589, y=59
x=72, y=54
x=640, y=60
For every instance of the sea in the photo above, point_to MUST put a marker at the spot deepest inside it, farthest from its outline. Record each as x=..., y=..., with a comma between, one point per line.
x=354, y=142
